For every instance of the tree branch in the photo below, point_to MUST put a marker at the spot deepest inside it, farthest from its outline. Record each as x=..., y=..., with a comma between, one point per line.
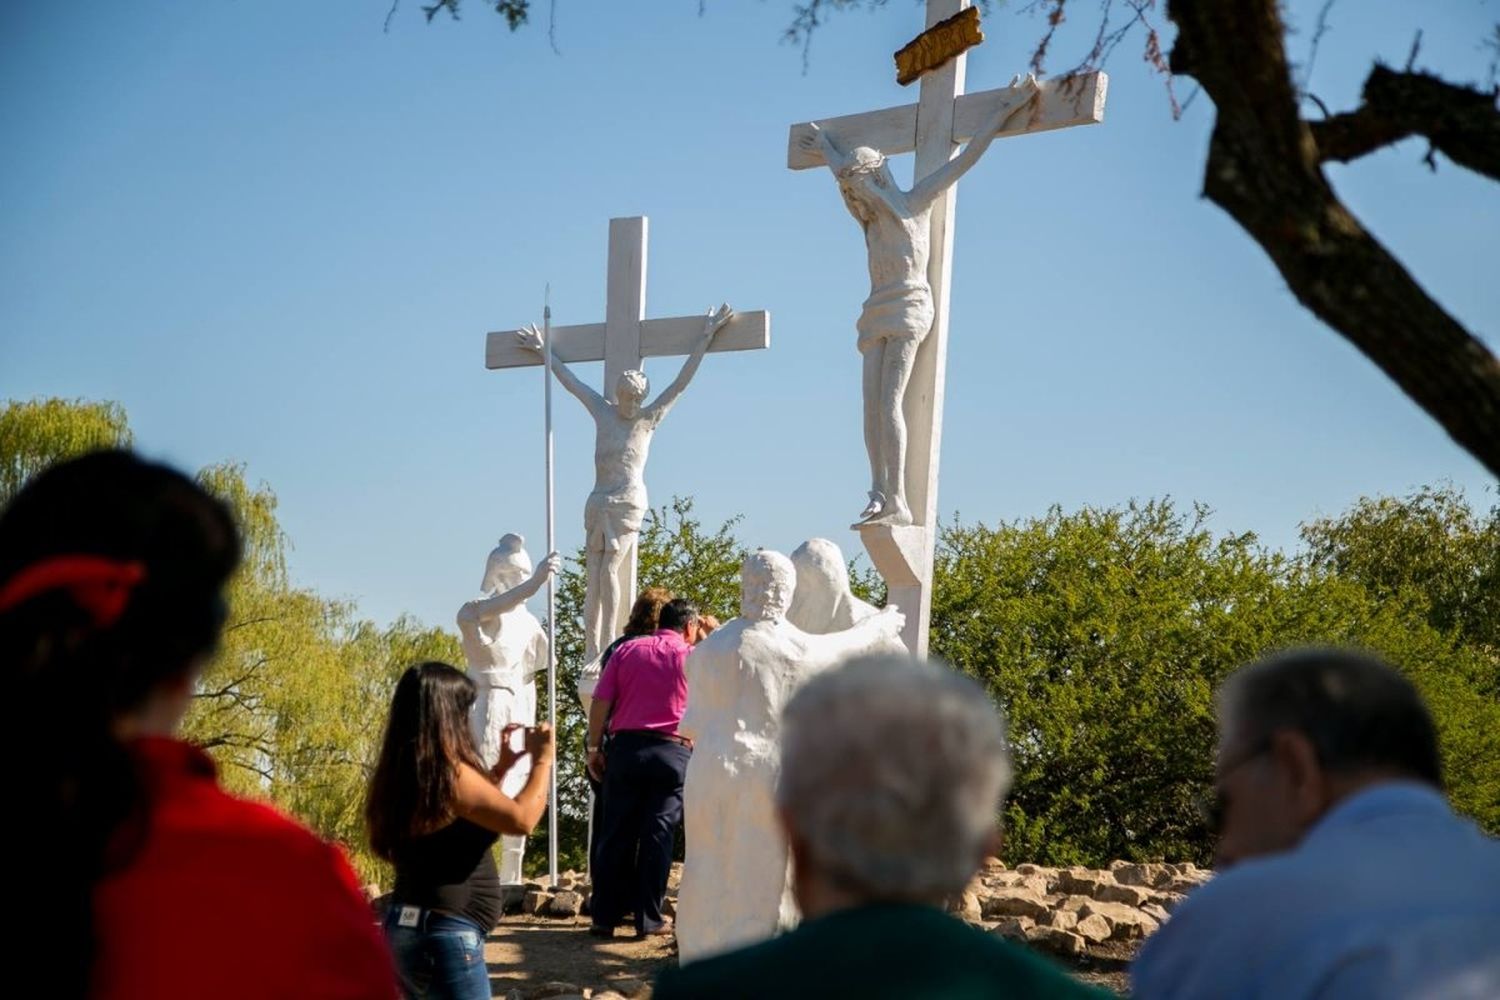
x=1462, y=123
x=1265, y=169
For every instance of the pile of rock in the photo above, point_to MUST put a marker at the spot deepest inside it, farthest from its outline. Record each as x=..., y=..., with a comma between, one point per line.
x=567, y=899
x=1070, y=911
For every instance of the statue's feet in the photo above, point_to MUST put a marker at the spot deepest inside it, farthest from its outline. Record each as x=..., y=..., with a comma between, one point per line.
x=874, y=507
x=893, y=512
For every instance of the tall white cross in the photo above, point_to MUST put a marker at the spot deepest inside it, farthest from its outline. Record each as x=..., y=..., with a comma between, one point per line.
x=622, y=341
x=942, y=118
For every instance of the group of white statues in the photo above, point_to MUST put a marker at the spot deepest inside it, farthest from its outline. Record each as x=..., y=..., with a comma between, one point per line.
x=798, y=616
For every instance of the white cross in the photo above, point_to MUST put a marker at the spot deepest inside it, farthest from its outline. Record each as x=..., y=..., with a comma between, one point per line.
x=626, y=336
x=621, y=342
x=942, y=118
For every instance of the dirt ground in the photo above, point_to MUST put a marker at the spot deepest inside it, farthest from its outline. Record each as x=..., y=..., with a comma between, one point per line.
x=524, y=953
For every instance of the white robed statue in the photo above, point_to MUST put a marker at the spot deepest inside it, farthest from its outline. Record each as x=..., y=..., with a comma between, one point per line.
x=505, y=647
x=735, y=881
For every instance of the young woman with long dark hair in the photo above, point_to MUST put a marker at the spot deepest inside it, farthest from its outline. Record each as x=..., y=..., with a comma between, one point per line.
x=435, y=812
x=151, y=880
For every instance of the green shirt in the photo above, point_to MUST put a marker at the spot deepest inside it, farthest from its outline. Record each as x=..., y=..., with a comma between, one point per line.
x=879, y=950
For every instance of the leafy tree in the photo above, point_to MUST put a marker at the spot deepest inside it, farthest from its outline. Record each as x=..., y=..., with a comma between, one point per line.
x=1102, y=632
x=36, y=433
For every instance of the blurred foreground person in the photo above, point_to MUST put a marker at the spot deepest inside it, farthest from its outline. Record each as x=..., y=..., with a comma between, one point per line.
x=892, y=773
x=435, y=812
x=134, y=868
x=1348, y=874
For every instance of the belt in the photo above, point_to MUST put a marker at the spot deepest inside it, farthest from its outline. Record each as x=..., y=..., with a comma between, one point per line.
x=664, y=737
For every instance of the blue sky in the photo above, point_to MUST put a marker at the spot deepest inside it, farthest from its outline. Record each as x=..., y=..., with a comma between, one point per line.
x=278, y=235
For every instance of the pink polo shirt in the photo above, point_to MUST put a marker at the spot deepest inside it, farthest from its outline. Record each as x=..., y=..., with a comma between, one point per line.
x=645, y=684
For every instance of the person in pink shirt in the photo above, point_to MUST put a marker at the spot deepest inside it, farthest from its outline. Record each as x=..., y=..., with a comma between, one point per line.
x=639, y=700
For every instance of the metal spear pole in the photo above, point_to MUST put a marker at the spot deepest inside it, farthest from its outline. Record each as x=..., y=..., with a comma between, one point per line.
x=554, y=818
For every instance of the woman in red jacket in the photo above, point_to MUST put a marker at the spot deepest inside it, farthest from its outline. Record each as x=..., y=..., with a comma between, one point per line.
x=157, y=882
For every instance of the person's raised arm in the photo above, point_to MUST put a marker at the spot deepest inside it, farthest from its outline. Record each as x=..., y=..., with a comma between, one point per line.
x=713, y=322
x=531, y=339
x=925, y=191
x=478, y=799
x=487, y=608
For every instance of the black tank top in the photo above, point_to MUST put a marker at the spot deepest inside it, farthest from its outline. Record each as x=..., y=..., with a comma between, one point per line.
x=451, y=869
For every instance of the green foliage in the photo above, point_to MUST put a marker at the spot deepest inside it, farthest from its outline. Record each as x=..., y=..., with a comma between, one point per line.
x=675, y=552
x=292, y=706
x=36, y=433
x=1102, y=632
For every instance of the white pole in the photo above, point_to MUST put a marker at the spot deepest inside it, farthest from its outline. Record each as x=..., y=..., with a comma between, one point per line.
x=553, y=820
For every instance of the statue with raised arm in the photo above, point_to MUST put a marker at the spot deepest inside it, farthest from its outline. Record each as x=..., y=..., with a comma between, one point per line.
x=899, y=312
x=505, y=647
x=614, y=511
x=735, y=886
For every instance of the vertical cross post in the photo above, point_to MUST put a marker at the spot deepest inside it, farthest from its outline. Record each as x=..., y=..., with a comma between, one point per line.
x=940, y=89
x=625, y=302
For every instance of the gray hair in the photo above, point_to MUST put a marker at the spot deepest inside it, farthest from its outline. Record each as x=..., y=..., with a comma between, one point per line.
x=1358, y=712
x=893, y=772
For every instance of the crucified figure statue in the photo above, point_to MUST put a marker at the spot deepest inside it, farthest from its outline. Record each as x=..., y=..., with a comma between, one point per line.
x=899, y=312
x=614, y=511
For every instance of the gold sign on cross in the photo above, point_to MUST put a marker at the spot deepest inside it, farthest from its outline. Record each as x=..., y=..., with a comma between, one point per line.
x=948, y=38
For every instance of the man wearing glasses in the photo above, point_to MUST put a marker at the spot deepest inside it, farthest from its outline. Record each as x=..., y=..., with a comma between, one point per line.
x=1348, y=875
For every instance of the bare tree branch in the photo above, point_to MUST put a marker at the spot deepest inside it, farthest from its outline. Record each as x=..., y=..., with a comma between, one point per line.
x=1320, y=28
x=1265, y=169
x=1461, y=123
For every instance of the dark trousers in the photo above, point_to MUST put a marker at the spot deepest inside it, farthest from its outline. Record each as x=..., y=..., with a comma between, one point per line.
x=643, y=777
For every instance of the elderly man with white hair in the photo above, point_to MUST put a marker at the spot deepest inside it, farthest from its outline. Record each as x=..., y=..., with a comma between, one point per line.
x=893, y=773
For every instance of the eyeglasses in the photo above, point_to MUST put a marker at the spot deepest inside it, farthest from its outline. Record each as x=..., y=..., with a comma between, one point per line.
x=1215, y=807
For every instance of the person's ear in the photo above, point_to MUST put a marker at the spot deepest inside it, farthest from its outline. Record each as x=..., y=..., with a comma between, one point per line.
x=1296, y=758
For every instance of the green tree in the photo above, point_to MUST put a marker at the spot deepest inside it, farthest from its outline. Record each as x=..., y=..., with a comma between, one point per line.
x=293, y=705
x=36, y=433
x=1103, y=634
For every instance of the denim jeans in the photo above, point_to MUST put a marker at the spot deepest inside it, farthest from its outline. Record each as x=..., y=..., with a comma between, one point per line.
x=441, y=958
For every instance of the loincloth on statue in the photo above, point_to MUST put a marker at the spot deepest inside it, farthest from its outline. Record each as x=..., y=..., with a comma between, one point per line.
x=618, y=514
x=899, y=311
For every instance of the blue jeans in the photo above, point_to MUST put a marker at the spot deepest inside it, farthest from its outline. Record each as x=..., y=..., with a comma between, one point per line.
x=441, y=958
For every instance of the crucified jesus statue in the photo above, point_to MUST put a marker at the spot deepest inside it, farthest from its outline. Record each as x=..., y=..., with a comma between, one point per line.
x=899, y=312
x=614, y=511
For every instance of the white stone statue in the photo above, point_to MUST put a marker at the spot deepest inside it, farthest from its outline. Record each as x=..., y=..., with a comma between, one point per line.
x=505, y=647
x=823, y=601
x=614, y=511
x=735, y=881
x=899, y=312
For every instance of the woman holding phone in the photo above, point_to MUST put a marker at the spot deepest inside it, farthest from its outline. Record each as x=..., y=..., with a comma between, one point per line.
x=434, y=811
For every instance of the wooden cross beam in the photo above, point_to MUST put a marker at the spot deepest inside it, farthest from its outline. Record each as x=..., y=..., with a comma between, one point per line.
x=626, y=336
x=942, y=118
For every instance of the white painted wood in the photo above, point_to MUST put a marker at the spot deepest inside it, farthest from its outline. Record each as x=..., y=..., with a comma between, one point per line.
x=667, y=337
x=1063, y=104
x=625, y=304
x=942, y=118
x=623, y=426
